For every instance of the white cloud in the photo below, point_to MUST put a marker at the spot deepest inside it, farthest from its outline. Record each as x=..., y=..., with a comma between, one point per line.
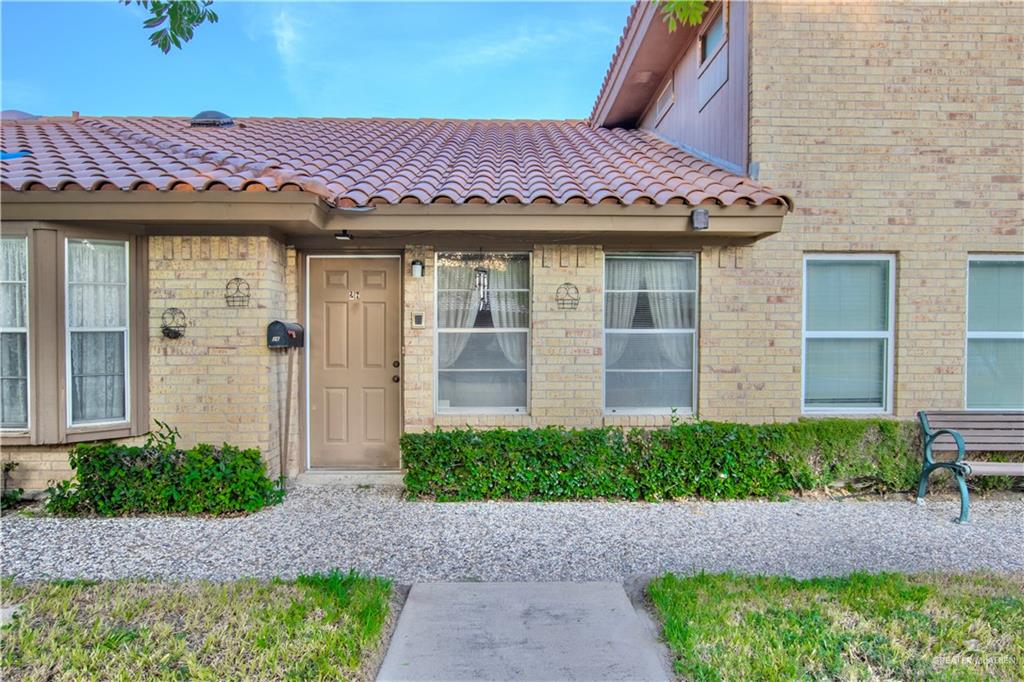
x=525, y=42
x=286, y=37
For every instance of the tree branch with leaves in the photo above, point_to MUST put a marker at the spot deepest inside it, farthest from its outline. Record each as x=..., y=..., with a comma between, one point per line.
x=682, y=12
x=175, y=21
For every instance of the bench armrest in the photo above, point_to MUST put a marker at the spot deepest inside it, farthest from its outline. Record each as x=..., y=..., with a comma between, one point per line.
x=931, y=436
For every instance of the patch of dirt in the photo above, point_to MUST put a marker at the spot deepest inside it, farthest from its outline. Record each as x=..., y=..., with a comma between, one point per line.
x=372, y=660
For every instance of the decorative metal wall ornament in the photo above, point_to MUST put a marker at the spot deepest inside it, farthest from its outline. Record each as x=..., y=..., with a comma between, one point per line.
x=567, y=296
x=172, y=323
x=236, y=293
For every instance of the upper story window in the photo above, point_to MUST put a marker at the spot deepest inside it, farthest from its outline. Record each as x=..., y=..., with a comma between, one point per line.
x=712, y=37
x=848, y=333
x=650, y=320
x=995, y=333
x=483, y=323
x=97, y=330
x=14, y=332
x=664, y=102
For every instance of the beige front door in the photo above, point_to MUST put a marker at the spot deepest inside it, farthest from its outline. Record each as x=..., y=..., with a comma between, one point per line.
x=354, y=355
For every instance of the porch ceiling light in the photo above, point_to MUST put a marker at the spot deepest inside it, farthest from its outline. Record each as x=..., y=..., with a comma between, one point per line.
x=344, y=236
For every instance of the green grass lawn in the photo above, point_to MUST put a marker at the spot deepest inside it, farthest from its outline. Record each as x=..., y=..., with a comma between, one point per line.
x=316, y=627
x=887, y=626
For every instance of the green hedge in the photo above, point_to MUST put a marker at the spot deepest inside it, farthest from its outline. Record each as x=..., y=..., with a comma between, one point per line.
x=710, y=460
x=113, y=479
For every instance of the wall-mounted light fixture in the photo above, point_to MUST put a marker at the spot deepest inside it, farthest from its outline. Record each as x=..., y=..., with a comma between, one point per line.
x=417, y=268
x=700, y=218
x=343, y=236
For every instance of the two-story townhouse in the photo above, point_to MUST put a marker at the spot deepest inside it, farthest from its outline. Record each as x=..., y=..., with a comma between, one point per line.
x=523, y=273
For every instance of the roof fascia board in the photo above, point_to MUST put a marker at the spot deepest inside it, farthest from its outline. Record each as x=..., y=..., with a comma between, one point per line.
x=619, y=70
x=302, y=213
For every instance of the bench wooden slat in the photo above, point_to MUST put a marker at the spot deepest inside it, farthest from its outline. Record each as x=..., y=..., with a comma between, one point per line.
x=1009, y=436
x=976, y=416
x=975, y=443
x=1002, y=430
x=996, y=468
x=976, y=424
x=999, y=414
x=978, y=427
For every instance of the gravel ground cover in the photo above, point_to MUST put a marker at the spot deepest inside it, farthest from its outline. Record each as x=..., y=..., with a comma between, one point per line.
x=378, y=533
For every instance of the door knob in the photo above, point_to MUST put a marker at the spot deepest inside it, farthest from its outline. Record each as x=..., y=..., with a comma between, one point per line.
x=395, y=379
x=396, y=363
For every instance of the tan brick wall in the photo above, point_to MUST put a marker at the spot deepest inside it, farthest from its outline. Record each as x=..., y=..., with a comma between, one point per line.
x=896, y=128
x=218, y=383
x=37, y=466
x=566, y=345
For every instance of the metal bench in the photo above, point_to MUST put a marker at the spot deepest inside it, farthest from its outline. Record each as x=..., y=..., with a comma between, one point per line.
x=963, y=432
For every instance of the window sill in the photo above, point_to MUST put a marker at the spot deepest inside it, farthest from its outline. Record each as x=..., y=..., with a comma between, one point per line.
x=646, y=412
x=77, y=434
x=13, y=437
x=482, y=413
x=852, y=412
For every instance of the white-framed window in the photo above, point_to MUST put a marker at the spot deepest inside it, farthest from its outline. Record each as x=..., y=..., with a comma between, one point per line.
x=650, y=333
x=483, y=332
x=14, y=347
x=97, y=331
x=848, y=323
x=995, y=333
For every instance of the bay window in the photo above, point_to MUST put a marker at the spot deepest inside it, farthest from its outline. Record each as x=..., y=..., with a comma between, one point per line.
x=72, y=334
x=650, y=338
x=848, y=333
x=995, y=333
x=483, y=321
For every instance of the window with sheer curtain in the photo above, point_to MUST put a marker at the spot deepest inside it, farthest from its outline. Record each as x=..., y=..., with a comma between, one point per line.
x=650, y=312
x=97, y=330
x=848, y=333
x=995, y=333
x=483, y=321
x=13, y=332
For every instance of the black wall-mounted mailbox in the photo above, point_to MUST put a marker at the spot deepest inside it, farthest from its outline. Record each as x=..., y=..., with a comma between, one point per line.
x=284, y=335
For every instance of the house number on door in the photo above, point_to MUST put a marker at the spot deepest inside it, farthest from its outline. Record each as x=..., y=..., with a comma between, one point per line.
x=353, y=295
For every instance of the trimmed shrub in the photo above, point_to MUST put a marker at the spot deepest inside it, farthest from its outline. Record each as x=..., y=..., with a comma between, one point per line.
x=113, y=479
x=710, y=460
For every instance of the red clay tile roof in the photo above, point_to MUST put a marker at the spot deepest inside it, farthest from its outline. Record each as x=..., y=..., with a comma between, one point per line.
x=355, y=162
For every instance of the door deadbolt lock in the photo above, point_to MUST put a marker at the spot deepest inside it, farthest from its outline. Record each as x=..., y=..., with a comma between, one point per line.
x=396, y=364
x=395, y=379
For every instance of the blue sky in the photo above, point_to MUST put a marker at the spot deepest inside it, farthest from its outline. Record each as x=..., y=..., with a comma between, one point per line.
x=465, y=60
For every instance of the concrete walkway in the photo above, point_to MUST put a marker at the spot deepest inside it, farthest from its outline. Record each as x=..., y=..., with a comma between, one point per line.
x=521, y=631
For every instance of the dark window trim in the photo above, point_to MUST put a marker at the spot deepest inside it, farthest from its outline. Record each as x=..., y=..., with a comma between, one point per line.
x=719, y=10
x=48, y=424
